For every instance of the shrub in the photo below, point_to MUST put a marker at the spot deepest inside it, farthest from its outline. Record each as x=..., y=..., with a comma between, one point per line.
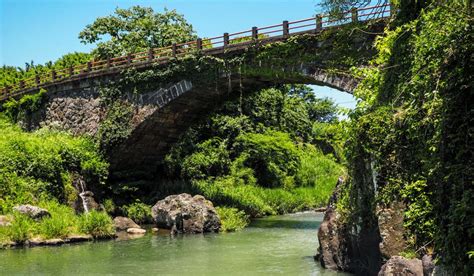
x=97, y=224
x=32, y=164
x=59, y=224
x=232, y=219
x=20, y=228
x=138, y=212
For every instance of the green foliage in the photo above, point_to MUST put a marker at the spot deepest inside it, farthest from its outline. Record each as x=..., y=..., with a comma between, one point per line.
x=411, y=128
x=254, y=154
x=116, y=126
x=10, y=75
x=138, y=212
x=273, y=156
x=61, y=222
x=20, y=229
x=38, y=163
x=232, y=219
x=26, y=106
x=211, y=158
x=98, y=224
x=109, y=206
x=419, y=214
x=136, y=29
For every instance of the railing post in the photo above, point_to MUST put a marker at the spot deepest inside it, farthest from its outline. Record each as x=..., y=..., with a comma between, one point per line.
x=319, y=22
x=226, y=39
x=150, y=54
x=355, y=16
x=37, y=80
x=199, y=44
x=286, y=28
x=129, y=59
x=89, y=66
x=175, y=49
x=53, y=75
x=254, y=33
x=71, y=71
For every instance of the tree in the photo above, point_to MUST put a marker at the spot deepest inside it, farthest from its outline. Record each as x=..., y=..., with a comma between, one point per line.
x=136, y=29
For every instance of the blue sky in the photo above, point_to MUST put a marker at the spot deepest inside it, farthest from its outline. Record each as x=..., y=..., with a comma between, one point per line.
x=44, y=30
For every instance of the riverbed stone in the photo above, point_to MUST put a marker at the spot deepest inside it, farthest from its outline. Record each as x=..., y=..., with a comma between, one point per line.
x=136, y=231
x=398, y=265
x=88, y=201
x=5, y=221
x=42, y=242
x=184, y=213
x=123, y=223
x=33, y=212
x=78, y=238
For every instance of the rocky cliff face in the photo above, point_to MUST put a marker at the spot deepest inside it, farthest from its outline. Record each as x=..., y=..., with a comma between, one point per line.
x=351, y=246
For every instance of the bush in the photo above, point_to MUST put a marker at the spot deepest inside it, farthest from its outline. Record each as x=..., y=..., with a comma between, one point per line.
x=138, y=212
x=59, y=224
x=20, y=229
x=97, y=224
x=40, y=163
x=232, y=219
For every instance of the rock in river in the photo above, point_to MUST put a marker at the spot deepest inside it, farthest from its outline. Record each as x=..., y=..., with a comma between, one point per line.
x=136, y=231
x=398, y=265
x=184, y=213
x=123, y=223
x=33, y=212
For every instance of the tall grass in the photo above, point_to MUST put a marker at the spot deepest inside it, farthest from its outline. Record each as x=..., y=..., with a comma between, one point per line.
x=97, y=224
x=232, y=219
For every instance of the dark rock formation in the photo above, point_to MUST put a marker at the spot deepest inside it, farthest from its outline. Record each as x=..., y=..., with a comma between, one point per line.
x=398, y=265
x=186, y=214
x=88, y=202
x=33, y=212
x=351, y=247
x=123, y=223
x=331, y=238
x=428, y=265
x=390, y=220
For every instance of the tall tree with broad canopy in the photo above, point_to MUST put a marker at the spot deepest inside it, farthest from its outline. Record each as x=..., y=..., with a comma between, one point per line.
x=136, y=29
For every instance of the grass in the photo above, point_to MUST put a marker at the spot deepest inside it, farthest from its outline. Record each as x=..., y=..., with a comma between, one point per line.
x=97, y=224
x=315, y=181
x=62, y=223
x=138, y=212
x=232, y=219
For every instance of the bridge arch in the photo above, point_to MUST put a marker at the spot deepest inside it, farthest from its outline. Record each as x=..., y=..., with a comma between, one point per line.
x=173, y=95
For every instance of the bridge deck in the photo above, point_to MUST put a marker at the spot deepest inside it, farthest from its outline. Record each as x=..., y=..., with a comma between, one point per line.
x=210, y=46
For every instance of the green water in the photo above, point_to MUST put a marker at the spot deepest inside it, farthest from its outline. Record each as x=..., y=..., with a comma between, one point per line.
x=274, y=245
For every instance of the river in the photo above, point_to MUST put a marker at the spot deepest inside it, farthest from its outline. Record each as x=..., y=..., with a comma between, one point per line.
x=273, y=245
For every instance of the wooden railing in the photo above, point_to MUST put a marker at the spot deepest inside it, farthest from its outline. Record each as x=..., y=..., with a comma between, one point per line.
x=206, y=45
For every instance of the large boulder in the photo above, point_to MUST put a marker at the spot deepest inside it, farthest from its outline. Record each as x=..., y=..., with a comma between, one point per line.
x=33, y=212
x=398, y=265
x=123, y=223
x=184, y=213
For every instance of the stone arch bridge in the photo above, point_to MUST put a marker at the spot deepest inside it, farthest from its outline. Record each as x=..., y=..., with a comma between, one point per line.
x=309, y=51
